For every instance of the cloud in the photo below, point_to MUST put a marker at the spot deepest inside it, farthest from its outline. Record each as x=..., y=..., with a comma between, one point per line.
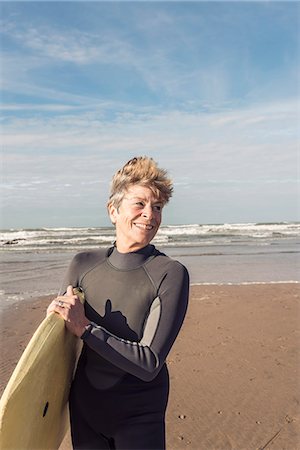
x=80, y=47
x=174, y=55
x=37, y=107
x=240, y=144
x=47, y=42
x=197, y=86
x=212, y=183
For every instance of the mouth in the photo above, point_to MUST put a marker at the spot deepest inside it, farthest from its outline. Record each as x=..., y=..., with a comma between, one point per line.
x=144, y=226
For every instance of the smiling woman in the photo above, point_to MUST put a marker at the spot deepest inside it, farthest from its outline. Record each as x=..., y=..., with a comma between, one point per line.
x=137, y=219
x=136, y=301
x=138, y=193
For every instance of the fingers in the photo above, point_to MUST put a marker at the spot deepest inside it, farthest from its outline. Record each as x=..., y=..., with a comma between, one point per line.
x=63, y=304
x=70, y=291
x=58, y=306
x=62, y=307
x=65, y=301
x=50, y=309
x=71, y=309
x=69, y=296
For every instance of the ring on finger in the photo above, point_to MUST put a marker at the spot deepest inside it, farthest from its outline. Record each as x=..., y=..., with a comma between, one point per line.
x=61, y=303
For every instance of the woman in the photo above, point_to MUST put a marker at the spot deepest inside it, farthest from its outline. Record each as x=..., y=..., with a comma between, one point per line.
x=136, y=300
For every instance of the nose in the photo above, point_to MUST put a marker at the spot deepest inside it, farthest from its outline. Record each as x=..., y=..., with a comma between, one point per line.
x=147, y=212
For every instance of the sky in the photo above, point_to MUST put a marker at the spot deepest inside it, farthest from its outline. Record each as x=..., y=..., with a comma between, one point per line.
x=210, y=90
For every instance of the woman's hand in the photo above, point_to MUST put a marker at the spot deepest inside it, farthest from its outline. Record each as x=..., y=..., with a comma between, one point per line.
x=71, y=310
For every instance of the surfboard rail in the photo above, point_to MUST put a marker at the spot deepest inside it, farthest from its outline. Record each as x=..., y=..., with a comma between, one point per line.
x=34, y=404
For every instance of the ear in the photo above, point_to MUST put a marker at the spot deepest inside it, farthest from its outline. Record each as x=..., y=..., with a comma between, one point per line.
x=112, y=211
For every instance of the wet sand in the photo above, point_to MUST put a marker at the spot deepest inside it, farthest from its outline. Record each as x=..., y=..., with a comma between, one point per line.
x=234, y=369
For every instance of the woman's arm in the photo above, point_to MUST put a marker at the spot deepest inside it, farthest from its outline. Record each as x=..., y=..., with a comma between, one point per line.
x=145, y=358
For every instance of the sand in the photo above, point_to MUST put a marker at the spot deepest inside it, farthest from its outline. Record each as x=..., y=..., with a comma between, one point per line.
x=235, y=367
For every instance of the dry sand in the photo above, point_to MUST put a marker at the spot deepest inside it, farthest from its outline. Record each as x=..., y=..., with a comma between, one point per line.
x=234, y=368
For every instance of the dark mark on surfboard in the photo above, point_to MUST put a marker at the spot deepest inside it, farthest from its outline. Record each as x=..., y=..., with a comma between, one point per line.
x=45, y=409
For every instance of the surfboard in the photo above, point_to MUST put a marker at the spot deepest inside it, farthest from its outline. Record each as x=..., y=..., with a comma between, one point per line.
x=34, y=404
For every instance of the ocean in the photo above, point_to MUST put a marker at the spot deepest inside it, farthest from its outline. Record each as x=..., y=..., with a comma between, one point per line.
x=33, y=261
x=58, y=239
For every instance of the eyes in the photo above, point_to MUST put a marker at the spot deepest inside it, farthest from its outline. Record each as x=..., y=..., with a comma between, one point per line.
x=141, y=205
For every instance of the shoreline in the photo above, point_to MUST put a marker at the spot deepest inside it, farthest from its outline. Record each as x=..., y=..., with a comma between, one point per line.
x=8, y=301
x=234, y=368
x=245, y=283
x=28, y=274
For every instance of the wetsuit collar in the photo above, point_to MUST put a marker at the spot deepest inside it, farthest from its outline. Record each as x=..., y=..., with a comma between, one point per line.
x=131, y=260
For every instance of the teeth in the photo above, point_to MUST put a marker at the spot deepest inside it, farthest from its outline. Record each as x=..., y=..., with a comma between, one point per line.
x=144, y=226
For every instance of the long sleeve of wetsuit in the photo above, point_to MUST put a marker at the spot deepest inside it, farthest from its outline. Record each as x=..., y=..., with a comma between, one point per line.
x=145, y=358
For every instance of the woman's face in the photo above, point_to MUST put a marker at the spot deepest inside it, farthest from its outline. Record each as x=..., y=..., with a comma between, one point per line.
x=137, y=219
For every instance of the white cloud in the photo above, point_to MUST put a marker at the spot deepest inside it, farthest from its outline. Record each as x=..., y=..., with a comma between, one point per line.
x=36, y=107
x=70, y=45
x=216, y=169
x=185, y=88
x=256, y=143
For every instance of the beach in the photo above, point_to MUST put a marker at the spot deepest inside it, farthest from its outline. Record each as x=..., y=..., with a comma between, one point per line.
x=234, y=368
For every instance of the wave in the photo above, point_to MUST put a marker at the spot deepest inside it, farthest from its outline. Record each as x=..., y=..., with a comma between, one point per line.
x=169, y=235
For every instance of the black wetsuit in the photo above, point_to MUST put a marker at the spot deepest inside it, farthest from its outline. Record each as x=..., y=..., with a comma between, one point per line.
x=136, y=303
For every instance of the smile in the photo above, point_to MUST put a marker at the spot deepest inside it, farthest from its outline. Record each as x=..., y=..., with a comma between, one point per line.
x=144, y=226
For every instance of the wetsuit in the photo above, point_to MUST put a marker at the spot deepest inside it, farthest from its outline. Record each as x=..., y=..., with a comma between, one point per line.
x=136, y=303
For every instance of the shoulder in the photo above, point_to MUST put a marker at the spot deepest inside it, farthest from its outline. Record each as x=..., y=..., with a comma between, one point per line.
x=81, y=264
x=168, y=262
x=162, y=266
x=87, y=259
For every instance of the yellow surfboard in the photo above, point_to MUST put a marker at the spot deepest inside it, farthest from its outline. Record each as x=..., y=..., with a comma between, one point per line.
x=34, y=404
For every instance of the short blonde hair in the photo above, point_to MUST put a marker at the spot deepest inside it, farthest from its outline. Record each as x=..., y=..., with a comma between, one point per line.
x=143, y=171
